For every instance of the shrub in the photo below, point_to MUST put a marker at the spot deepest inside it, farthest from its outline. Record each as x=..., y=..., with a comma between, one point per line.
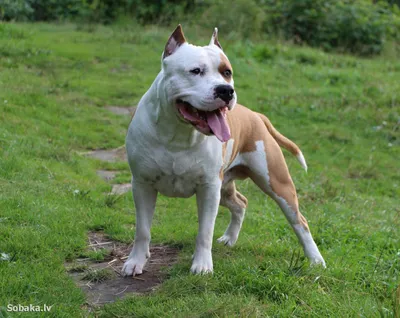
x=15, y=10
x=160, y=11
x=242, y=18
x=98, y=11
x=356, y=26
x=102, y=11
x=47, y=10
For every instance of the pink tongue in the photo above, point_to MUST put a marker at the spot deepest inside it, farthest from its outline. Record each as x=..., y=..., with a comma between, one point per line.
x=218, y=125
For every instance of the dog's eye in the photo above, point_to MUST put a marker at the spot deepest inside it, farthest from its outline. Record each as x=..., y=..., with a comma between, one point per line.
x=228, y=73
x=195, y=71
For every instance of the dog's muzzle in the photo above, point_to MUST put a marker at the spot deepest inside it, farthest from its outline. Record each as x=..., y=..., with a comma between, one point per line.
x=207, y=122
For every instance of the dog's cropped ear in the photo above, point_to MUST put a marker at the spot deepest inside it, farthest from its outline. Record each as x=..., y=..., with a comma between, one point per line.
x=214, y=39
x=176, y=39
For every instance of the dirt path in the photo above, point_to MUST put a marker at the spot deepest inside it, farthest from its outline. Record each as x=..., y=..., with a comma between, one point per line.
x=103, y=282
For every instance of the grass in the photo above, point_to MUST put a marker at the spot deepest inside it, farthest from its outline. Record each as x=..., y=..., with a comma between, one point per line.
x=98, y=275
x=342, y=111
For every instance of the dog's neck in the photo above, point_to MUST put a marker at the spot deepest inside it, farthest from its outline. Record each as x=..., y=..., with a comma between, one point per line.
x=171, y=131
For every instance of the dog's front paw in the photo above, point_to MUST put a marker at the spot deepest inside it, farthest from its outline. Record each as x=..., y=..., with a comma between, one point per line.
x=227, y=239
x=134, y=266
x=202, y=264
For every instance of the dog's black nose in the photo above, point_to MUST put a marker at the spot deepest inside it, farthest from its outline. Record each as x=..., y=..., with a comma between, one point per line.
x=225, y=92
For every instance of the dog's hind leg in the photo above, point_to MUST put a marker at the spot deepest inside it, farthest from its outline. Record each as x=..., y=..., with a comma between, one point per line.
x=269, y=172
x=236, y=203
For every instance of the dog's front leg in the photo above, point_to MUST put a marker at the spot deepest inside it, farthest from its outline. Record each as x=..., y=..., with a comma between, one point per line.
x=145, y=202
x=208, y=197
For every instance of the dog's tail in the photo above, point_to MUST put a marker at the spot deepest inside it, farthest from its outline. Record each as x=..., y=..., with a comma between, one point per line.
x=284, y=142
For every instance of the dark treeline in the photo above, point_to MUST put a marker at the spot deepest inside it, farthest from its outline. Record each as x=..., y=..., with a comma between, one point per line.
x=356, y=26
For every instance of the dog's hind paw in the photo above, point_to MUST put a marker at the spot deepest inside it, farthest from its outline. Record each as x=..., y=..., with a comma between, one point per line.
x=227, y=240
x=318, y=261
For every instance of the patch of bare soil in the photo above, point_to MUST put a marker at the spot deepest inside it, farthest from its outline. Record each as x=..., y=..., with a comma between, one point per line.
x=106, y=175
x=110, y=155
x=124, y=111
x=103, y=282
x=122, y=188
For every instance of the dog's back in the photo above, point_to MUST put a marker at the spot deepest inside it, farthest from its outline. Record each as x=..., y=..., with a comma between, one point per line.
x=246, y=127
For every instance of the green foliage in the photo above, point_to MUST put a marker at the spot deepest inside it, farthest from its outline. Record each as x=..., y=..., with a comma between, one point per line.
x=352, y=25
x=98, y=275
x=355, y=26
x=160, y=11
x=104, y=11
x=15, y=10
x=47, y=10
x=100, y=11
x=244, y=19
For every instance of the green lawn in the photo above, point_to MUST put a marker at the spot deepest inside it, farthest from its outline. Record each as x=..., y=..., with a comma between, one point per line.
x=342, y=111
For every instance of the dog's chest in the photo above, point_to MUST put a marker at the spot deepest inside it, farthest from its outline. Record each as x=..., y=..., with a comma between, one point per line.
x=176, y=174
x=176, y=186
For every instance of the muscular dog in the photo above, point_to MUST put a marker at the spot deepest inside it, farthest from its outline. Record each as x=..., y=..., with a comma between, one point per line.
x=189, y=136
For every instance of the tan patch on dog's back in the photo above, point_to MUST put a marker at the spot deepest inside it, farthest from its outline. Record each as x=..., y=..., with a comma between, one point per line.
x=246, y=128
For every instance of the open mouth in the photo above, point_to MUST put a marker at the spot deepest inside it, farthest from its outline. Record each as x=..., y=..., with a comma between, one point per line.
x=207, y=122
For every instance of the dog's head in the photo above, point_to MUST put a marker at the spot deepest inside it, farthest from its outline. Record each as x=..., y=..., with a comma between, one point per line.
x=199, y=83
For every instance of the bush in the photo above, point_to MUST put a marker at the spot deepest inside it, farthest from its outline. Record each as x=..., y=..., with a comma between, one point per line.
x=356, y=26
x=15, y=10
x=50, y=10
x=160, y=11
x=101, y=11
x=242, y=18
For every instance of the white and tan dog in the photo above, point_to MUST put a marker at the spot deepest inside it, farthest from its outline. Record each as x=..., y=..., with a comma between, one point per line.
x=188, y=136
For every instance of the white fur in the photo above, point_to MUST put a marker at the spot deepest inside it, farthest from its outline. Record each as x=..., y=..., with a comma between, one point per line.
x=195, y=89
x=228, y=152
x=307, y=242
x=145, y=200
x=310, y=248
x=302, y=160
